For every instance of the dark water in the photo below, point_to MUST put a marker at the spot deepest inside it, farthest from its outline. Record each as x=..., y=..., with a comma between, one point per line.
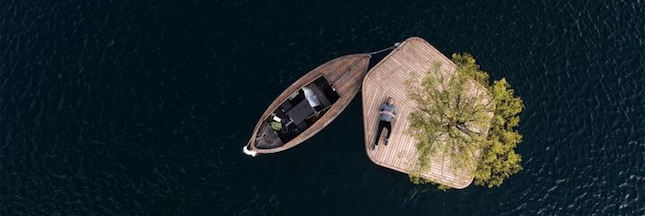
x=142, y=107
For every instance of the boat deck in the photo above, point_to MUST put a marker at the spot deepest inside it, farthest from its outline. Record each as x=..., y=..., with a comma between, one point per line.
x=387, y=79
x=345, y=74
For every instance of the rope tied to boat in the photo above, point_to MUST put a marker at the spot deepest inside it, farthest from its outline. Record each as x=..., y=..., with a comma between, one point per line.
x=397, y=44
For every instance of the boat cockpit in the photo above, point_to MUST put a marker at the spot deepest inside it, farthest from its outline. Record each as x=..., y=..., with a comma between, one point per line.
x=301, y=110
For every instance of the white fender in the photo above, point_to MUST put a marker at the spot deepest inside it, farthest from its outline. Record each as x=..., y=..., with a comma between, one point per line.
x=246, y=151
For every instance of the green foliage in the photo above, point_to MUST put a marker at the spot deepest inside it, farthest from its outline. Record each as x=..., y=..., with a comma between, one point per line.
x=443, y=187
x=416, y=179
x=467, y=64
x=447, y=119
x=498, y=158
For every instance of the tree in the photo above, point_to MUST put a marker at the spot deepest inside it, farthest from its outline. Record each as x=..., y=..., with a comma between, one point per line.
x=453, y=114
x=498, y=160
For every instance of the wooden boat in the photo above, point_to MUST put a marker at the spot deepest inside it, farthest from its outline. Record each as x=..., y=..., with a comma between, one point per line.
x=308, y=105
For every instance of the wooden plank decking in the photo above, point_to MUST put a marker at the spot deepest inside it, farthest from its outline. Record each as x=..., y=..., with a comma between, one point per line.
x=386, y=79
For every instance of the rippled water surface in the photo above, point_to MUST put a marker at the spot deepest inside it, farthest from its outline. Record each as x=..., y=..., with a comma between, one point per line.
x=141, y=108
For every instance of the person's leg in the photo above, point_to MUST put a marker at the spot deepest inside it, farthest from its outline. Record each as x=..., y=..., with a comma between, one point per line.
x=387, y=125
x=378, y=134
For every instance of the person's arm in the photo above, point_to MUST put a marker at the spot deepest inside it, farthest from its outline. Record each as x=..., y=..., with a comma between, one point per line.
x=388, y=113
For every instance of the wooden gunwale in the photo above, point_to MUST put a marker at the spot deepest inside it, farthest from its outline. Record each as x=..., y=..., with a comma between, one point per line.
x=346, y=73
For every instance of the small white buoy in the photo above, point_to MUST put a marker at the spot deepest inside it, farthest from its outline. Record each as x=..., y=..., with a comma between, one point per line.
x=246, y=151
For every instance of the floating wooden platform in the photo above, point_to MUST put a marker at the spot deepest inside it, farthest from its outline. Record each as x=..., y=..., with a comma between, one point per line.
x=386, y=79
x=345, y=74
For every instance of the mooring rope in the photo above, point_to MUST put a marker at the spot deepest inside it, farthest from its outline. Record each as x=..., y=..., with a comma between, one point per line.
x=397, y=44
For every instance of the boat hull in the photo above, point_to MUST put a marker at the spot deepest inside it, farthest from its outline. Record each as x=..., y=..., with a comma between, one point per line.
x=345, y=74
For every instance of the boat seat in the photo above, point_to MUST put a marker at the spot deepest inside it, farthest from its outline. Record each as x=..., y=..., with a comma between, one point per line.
x=302, y=126
x=286, y=106
x=324, y=101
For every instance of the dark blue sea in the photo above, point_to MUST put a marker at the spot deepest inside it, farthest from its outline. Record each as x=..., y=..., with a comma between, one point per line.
x=142, y=107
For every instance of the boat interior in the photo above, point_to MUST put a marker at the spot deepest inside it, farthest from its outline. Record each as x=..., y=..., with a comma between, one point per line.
x=295, y=115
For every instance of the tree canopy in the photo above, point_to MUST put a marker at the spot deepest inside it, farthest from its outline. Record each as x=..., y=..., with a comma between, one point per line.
x=498, y=159
x=454, y=112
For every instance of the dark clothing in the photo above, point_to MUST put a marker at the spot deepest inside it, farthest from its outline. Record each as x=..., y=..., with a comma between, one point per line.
x=383, y=124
